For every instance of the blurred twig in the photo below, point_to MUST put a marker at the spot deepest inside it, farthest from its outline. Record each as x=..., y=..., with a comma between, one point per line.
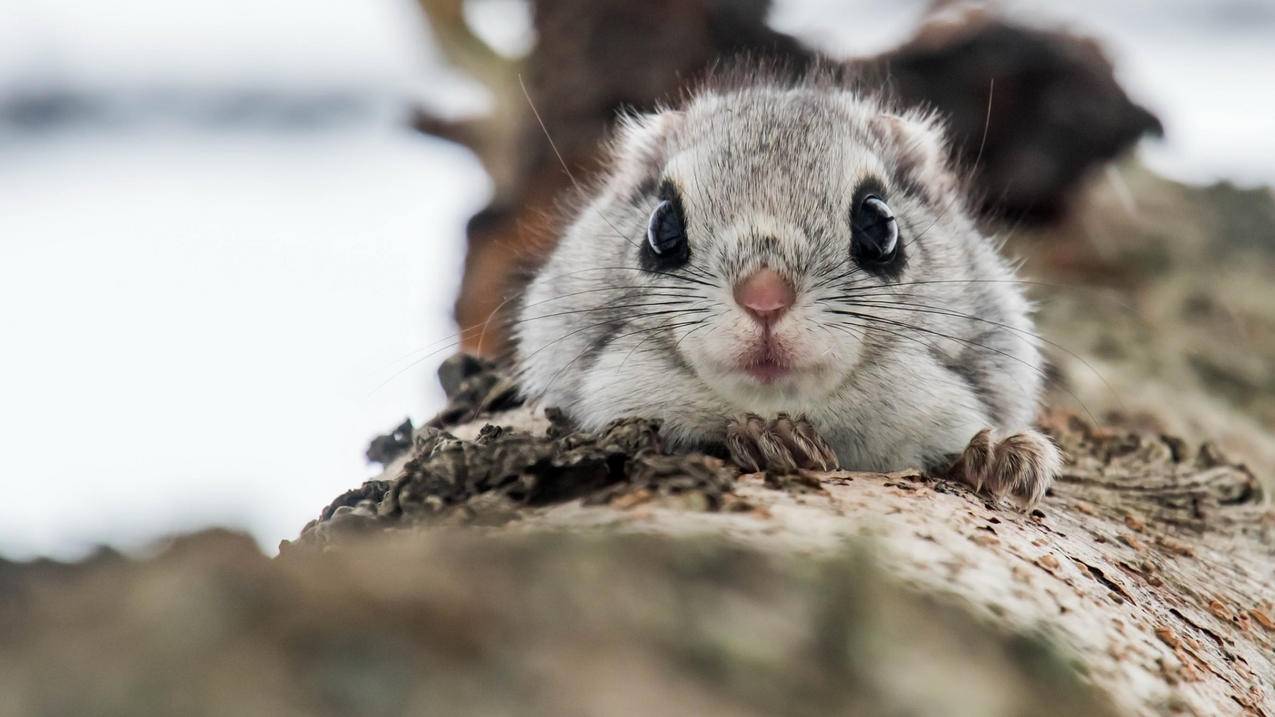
x=494, y=136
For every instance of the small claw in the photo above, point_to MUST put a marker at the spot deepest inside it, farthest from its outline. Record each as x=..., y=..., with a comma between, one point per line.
x=741, y=445
x=808, y=450
x=804, y=455
x=775, y=450
x=974, y=462
x=827, y=457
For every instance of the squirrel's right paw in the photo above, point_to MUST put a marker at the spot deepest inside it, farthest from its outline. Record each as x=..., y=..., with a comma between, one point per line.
x=783, y=445
x=1024, y=465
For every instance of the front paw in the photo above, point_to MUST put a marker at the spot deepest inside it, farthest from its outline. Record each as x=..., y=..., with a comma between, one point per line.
x=783, y=445
x=1023, y=465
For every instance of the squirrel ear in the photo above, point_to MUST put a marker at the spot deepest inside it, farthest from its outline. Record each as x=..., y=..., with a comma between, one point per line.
x=641, y=136
x=918, y=142
x=640, y=147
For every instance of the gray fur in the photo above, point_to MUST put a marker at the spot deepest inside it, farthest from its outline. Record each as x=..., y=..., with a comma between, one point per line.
x=767, y=173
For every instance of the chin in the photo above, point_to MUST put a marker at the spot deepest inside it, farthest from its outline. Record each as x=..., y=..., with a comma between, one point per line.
x=770, y=389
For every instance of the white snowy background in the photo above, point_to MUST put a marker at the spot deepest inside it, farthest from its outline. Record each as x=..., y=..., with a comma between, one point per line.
x=219, y=243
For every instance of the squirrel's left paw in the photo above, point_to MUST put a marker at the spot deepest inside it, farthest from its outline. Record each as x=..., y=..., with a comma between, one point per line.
x=1023, y=465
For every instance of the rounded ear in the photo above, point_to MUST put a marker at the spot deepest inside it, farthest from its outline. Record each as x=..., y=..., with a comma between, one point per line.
x=918, y=142
x=640, y=144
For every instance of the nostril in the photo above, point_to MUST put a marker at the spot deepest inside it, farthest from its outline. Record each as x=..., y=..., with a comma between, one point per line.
x=765, y=295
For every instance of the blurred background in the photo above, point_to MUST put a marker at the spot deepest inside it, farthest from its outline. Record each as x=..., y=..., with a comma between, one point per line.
x=229, y=255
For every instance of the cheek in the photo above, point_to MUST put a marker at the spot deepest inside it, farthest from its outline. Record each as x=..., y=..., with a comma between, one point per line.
x=839, y=348
x=814, y=339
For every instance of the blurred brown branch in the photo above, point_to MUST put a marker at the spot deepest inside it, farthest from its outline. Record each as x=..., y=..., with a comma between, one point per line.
x=493, y=137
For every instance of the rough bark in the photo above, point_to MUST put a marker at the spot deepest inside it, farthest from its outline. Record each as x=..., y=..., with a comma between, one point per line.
x=451, y=623
x=1149, y=567
x=670, y=585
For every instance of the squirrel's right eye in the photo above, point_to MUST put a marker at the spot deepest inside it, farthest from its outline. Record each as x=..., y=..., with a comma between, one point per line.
x=664, y=231
x=666, y=243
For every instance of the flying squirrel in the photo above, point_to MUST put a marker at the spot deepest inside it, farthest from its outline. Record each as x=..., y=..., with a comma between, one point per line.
x=788, y=271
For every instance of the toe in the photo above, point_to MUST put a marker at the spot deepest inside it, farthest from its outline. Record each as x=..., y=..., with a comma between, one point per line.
x=775, y=451
x=974, y=464
x=741, y=442
x=807, y=449
x=1026, y=464
x=821, y=453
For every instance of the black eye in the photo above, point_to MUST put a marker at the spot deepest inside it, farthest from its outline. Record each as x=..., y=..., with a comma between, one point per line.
x=664, y=231
x=666, y=244
x=873, y=231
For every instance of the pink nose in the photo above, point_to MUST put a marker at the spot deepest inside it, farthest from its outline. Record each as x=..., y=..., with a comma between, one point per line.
x=765, y=296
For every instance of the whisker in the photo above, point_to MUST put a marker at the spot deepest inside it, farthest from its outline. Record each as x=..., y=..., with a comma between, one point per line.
x=604, y=307
x=1022, y=282
x=456, y=343
x=648, y=338
x=554, y=146
x=854, y=269
x=900, y=335
x=974, y=344
x=987, y=124
x=939, y=311
x=704, y=322
x=483, y=335
x=649, y=329
x=646, y=271
x=462, y=334
x=618, y=319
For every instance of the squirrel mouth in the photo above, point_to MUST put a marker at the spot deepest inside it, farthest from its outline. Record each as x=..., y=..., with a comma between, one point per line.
x=767, y=364
x=767, y=371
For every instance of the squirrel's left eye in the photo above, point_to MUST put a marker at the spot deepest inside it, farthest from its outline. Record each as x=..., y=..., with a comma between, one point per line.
x=873, y=230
